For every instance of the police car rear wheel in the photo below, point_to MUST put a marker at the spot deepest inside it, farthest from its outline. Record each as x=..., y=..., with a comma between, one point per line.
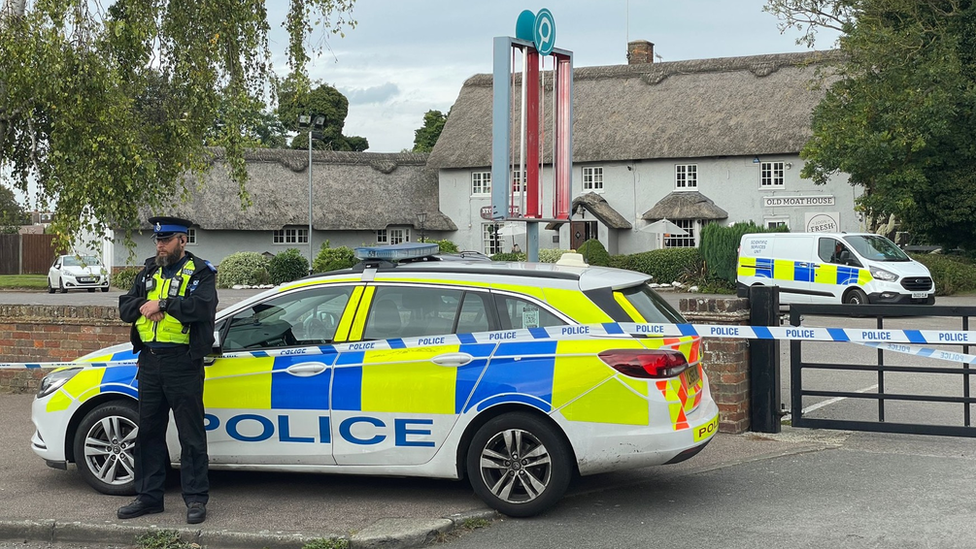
x=518, y=465
x=855, y=297
x=104, y=444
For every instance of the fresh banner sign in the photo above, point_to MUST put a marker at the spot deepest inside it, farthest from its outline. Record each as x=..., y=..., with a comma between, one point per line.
x=794, y=201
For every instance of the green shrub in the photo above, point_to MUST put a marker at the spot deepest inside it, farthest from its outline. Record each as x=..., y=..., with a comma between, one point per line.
x=447, y=247
x=720, y=247
x=245, y=268
x=621, y=262
x=125, y=278
x=333, y=259
x=667, y=265
x=287, y=266
x=509, y=256
x=551, y=255
x=594, y=253
x=951, y=273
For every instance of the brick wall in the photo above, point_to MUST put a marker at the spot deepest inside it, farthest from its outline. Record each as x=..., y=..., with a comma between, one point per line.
x=36, y=333
x=726, y=361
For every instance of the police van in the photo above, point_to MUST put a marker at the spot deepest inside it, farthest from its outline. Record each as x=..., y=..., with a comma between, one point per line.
x=516, y=376
x=832, y=268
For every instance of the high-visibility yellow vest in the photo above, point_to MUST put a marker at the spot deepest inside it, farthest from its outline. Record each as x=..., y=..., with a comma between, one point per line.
x=169, y=329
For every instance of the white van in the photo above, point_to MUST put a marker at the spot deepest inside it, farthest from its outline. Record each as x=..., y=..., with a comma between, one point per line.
x=832, y=268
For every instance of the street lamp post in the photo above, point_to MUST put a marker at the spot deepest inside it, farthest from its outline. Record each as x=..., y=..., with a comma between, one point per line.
x=422, y=217
x=306, y=120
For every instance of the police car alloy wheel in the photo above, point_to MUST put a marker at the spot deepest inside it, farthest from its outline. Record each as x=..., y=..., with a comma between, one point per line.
x=518, y=465
x=103, y=446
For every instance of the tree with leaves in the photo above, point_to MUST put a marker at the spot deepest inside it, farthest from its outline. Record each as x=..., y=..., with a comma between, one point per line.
x=426, y=137
x=322, y=100
x=108, y=110
x=12, y=214
x=901, y=117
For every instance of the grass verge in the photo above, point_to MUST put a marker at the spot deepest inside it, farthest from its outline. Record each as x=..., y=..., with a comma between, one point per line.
x=23, y=282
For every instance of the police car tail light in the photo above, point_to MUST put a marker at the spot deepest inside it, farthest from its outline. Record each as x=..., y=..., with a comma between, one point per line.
x=646, y=363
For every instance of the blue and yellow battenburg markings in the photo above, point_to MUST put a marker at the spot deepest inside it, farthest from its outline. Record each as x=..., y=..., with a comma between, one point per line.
x=551, y=369
x=801, y=271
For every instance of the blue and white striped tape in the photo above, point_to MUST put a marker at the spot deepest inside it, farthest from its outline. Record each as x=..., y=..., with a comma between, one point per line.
x=610, y=329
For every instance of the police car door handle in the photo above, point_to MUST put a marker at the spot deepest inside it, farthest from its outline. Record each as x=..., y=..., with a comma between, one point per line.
x=306, y=369
x=452, y=359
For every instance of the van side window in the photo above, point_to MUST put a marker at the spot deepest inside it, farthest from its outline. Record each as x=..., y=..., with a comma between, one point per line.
x=834, y=251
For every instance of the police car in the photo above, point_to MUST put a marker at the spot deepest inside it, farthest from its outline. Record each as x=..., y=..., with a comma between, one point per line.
x=515, y=376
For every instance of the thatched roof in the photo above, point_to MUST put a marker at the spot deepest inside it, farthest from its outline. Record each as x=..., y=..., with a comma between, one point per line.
x=602, y=210
x=350, y=191
x=735, y=106
x=685, y=205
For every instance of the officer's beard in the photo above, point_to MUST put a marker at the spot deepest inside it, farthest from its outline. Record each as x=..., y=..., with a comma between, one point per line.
x=164, y=259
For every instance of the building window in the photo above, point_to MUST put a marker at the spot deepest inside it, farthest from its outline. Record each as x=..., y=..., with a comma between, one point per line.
x=592, y=179
x=393, y=236
x=773, y=222
x=492, y=243
x=686, y=176
x=517, y=179
x=771, y=174
x=291, y=236
x=481, y=183
x=191, y=236
x=682, y=241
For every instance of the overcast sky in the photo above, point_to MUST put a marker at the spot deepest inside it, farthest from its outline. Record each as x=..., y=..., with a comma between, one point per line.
x=406, y=57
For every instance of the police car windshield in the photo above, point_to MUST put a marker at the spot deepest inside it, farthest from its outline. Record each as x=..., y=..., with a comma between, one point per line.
x=876, y=248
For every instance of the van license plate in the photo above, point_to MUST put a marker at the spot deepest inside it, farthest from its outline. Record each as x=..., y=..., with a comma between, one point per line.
x=919, y=295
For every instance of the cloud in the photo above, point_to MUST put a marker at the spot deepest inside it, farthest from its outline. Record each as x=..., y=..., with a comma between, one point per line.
x=374, y=94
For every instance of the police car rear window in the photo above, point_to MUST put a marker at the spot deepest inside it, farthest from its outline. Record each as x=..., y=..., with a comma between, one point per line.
x=651, y=306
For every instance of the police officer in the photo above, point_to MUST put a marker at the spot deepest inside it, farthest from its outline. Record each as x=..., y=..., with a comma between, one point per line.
x=172, y=306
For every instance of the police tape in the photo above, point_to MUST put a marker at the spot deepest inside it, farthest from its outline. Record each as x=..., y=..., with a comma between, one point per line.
x=584, y=331
x=925, y=352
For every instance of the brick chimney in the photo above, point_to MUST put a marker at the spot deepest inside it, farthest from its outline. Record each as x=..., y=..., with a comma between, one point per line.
x=640, y=52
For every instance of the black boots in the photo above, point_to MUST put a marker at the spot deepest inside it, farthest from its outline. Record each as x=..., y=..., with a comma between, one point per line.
x=138, y=508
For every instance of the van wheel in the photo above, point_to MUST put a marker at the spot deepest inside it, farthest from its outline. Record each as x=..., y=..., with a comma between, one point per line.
x=519, y=465
x=104, y=446
x=855, y=297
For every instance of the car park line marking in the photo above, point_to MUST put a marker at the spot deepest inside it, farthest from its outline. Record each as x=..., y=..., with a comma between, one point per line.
x=828, y=402
x=613, y=330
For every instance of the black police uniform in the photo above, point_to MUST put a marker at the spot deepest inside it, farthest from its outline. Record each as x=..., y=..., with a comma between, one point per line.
x=170, y=376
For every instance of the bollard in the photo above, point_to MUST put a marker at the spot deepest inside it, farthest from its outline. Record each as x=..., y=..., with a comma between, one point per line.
x=764, y=378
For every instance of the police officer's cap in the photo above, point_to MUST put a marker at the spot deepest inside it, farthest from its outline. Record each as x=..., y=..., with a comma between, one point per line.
x=165, y=227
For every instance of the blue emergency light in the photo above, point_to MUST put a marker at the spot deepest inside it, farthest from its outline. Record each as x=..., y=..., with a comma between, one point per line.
x=397, y=252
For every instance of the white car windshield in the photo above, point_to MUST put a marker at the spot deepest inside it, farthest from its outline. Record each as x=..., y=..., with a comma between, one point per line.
x=876, y=248
x=84, y=261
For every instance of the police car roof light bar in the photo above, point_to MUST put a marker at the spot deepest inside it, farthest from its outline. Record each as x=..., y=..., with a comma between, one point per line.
x=396, y=252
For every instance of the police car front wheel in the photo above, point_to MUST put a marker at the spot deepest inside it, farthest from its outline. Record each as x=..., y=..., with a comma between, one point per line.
x=519, y=465
x=104, y=444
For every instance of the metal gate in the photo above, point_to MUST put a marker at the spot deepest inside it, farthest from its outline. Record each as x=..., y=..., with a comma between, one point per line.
x=959, y=372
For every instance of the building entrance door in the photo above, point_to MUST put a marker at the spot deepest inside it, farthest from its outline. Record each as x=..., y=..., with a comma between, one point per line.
x=580, y=232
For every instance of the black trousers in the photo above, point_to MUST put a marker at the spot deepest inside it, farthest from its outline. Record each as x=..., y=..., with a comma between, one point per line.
x=169, y=380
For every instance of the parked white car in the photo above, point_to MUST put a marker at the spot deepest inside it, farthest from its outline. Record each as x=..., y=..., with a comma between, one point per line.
x=77, y=272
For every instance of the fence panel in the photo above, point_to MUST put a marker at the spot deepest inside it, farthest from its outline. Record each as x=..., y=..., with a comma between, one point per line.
x=9, y=254
x=39, y=253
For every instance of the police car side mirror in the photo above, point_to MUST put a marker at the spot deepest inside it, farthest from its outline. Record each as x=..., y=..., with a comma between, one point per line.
x=216, y=349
